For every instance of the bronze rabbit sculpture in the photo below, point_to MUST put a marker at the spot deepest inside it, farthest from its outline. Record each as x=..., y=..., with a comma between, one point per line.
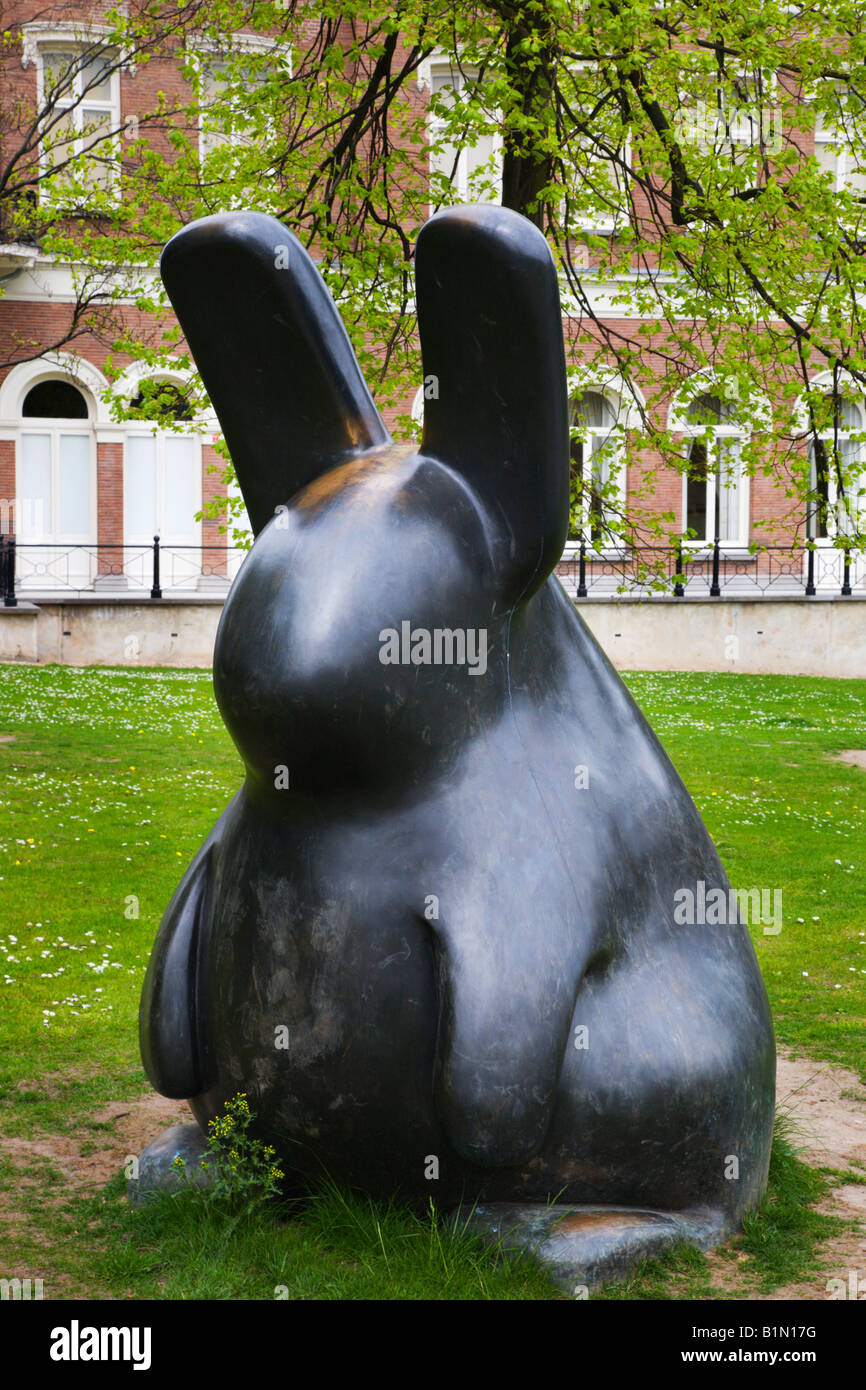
x=415, y=934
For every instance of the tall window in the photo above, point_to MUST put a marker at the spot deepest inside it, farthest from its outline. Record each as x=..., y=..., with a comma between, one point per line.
x=221, y=117
x=465, y=161
x=836, y=136
x=55, y=466
x=237, y=85
x=596, y=153
x=746, y=112
x=79, y=97
x=230, y=118
x=162, y=471
x=596, y=466
x=837, y=477
x=714, y=492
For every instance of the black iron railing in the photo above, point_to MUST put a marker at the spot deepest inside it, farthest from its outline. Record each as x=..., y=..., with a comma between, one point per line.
x=7, y=571
x=45, y=567
x=683, y=572
x=714, y=571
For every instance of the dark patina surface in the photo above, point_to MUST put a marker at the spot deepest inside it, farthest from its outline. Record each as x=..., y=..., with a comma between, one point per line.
x=438, y=942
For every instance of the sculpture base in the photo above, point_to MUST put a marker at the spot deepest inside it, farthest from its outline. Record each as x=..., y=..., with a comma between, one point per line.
x=580, y=1246
x=584, y=1246
x=156, y=1172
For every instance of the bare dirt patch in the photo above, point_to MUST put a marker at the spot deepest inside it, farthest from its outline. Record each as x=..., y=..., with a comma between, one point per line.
x=129, y=1127
x=855, y=756
x=827, y=1104
x=133, y=1126
x=53, y=1167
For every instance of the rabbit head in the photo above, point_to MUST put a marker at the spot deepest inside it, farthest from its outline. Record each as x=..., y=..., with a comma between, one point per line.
x=375, y=567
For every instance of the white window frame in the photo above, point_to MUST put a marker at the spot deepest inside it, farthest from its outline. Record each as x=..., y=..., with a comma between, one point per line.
x=204, y=56
x=180, y=568
x=435, y=66
x=605, y=225
x=195, y=429
x=827, y=135
x=51, y=560
x=55, y=426
x=835, y=505
x=134, y=538
x=743, y=129
x=177, y=569
x=43, y=39
x=613, y=435
x=712, y=434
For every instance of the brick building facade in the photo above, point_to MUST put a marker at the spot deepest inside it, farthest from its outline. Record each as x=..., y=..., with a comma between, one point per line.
x=85, y=493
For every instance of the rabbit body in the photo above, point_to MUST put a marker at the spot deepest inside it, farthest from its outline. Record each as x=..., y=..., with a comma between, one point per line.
x=433, y=936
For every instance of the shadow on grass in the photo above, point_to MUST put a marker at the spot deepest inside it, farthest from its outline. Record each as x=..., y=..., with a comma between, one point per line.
x=340, y=1245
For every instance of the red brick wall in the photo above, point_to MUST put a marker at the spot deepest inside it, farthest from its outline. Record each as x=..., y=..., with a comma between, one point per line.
x=41, y=322
x=25, y=327
x=7, y=486
x=212, y=487
x=109, y=495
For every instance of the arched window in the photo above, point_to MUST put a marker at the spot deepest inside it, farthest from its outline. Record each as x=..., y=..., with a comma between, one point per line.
x=160, y=400
x=596, y=467
x=714, y=502
x=54, y=400
x=836, y=466
x=55, y=466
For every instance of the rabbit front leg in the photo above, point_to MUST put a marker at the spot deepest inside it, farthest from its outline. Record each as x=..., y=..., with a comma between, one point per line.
x=508, y=960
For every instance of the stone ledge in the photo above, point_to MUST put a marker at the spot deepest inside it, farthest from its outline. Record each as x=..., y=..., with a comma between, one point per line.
x=582, y=1246
x=22, y=609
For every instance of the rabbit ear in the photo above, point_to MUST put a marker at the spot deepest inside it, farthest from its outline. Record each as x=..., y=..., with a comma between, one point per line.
x=494, y=368
x=273, y=354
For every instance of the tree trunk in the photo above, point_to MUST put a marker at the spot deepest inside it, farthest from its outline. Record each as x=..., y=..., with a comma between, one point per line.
x=529, y=60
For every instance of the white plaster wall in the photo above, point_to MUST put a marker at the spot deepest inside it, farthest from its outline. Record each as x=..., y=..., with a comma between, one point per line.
x=811, y=637
x=112, y=634
x=807, y=637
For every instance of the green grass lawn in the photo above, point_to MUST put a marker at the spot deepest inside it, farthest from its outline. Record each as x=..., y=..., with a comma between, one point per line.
x=111, y=778
x=756, y=754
